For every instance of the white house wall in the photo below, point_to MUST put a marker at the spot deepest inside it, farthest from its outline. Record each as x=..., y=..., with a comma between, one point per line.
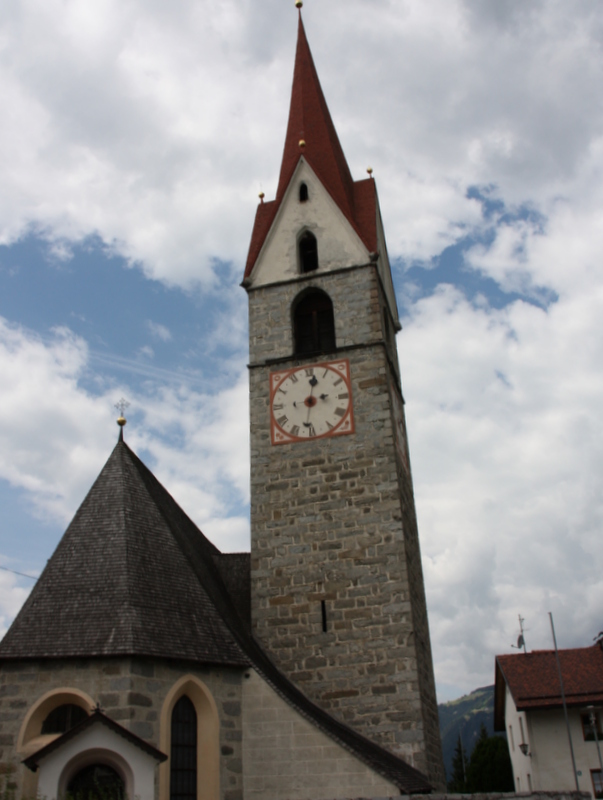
x=549, y=765
x=338, y=243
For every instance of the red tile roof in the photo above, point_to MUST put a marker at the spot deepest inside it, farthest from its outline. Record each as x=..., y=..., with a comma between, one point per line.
x=310, y=120
x=533, y=678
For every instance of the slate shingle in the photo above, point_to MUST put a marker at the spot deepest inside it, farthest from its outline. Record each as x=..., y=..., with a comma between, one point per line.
x=119, y=584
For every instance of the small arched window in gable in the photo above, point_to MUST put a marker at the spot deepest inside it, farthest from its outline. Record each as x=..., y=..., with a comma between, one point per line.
x=63, y=718
x=314, y=324
x=183, y=756
x=308, y=252
x=303, y=192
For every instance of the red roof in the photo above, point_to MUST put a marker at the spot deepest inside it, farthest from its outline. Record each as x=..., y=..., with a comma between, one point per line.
x=533, y=678
x=310, y=120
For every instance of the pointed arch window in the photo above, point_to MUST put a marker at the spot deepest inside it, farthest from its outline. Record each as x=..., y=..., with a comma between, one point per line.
x=303, y=192
x=314, y=324
x=308, y=252
x=183, y=751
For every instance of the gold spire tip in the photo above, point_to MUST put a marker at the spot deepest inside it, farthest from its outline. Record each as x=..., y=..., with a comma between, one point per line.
x=261, y=195
x=121, y=421
x=298, y=3
x=302, y=143
x=370, y=171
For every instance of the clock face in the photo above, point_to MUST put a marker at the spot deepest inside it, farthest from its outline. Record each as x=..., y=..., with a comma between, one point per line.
x=311, y=402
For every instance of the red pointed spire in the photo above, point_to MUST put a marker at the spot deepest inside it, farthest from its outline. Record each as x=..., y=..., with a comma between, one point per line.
x=311, y=134
x=310, y=121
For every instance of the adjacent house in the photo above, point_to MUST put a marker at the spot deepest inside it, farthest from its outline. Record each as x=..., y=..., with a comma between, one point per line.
x=528, y=705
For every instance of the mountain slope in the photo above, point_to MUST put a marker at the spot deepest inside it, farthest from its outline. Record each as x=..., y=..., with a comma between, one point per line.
x=465, y=717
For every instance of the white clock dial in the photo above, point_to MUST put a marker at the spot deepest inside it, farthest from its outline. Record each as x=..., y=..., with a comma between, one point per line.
x=311, y=402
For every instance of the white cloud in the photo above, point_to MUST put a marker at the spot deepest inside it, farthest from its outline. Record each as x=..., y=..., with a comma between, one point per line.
x=154, y=125
x=55, y=435
x=159, y=331
x=154, y=128
x=503, y=412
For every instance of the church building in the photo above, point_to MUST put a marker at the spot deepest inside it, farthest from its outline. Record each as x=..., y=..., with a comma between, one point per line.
x=146, y=663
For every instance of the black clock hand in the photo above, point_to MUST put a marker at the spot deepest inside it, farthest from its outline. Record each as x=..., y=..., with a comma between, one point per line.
x=310, y=401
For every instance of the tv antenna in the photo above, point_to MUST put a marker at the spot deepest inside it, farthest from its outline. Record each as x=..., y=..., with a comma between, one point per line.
x=521, y=641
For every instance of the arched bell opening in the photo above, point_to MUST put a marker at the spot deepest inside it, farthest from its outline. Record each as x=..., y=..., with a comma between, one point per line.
x=313, y=323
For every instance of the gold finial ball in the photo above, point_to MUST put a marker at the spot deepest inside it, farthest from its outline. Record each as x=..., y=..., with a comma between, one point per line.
x=298, y=3
x=121, y=421
x=261, y=195
x=370, y=170
x=302, y=143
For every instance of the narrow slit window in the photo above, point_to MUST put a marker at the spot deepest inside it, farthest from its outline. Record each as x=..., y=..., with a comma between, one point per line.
x=308, y=252
x=323, y=608
x=303, y=192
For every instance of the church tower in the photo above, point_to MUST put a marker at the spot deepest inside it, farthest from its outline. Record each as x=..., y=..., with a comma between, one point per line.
x=338, y=598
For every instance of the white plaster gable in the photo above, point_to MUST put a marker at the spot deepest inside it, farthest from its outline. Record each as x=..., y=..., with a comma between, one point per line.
x=97, y=744
x=338, y=243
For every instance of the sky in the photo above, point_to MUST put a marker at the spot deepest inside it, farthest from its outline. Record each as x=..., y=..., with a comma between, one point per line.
x=134, y=140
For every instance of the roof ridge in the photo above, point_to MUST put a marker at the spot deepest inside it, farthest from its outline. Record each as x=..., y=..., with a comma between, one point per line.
x=122, y=448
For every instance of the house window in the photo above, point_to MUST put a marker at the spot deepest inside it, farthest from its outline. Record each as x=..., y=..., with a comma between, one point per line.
x=308, y=252
x=63, y=718
x=523, y=736
x=183, y=754
x=97, y=782
x=587, y=727
x=511, y=739
x=597, y=778
x=303, y=192
x=314, y=324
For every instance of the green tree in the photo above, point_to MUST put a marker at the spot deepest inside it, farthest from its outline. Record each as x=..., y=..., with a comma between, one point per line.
x=489, y=768
x=457, y=782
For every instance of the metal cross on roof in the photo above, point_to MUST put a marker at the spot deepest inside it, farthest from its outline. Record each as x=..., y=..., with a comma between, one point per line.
x=121, y=406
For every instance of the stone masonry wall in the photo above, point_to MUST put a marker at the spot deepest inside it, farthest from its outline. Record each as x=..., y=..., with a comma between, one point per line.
x=130, y=691
x=285, y=756
x=329, y=522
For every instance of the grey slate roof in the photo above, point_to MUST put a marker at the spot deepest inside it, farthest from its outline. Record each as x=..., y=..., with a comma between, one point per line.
x=120, y=583
x=133, y=575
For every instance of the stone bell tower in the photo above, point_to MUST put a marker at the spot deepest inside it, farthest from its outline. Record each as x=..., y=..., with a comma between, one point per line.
x=338, y=599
